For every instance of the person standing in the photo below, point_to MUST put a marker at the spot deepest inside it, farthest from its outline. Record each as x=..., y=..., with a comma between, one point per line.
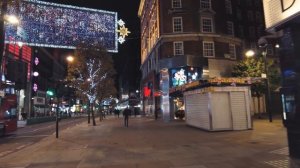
x=126, y=114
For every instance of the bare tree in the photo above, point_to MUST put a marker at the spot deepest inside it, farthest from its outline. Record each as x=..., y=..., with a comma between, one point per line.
x=91, y=74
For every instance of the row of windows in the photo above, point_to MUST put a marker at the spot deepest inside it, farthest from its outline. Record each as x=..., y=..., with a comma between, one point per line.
x=206, y=25
x=208, y=49
x=250, y=15
x=204, y=4
x=257, y=3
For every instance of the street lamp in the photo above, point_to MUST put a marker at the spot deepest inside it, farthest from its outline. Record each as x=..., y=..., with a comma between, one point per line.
x=70, y=58
x=11, y=19
x=251, y=53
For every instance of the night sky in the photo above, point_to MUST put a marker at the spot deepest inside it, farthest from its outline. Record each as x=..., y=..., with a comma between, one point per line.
x=127, y=60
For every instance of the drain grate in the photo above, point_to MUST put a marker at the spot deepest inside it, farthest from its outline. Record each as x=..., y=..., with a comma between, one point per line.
x=278, y=163
x=283, y=151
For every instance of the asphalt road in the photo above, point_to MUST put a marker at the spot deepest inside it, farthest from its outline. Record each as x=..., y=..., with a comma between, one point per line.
x=32, y=134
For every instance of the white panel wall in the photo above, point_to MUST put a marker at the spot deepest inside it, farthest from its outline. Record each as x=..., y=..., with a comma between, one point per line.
x=196, y=107
x=221, y=112
x=239, y=110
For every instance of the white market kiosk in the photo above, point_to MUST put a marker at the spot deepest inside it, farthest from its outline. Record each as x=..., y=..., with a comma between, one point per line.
x=216, y=108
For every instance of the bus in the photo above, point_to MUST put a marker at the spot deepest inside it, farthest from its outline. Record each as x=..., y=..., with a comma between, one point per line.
x=8, y=114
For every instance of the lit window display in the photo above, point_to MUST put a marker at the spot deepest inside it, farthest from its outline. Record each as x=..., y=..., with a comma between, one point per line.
x=184, y=75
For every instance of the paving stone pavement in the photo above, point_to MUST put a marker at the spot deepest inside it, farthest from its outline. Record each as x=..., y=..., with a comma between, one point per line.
x=147, y=143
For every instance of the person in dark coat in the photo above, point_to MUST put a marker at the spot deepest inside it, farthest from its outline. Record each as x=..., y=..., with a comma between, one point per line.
x=126, y=114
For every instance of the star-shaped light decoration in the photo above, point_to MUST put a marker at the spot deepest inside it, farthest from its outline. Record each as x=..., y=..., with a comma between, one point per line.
x=121, y=40
x=123, y=31
x=121, y=22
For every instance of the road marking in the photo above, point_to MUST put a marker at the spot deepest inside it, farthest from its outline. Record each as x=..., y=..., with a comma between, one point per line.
x=28, y=136
x=20, y=147
x=5, y=153
x=279, y=163
x=282, y=151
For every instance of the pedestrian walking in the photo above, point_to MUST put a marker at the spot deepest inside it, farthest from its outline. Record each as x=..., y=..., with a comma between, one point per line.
x=126, y=114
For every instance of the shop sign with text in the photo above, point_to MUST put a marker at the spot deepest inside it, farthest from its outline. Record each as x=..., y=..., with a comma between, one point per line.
x=278, y=12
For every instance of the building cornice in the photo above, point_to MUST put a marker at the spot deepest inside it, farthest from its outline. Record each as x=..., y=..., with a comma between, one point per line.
x=170, y=37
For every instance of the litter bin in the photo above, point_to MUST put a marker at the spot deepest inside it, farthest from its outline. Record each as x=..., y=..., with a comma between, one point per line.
x=2, y=131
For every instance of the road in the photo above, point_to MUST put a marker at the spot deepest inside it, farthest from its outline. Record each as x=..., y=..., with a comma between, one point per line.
x=149, y=143
x=32, y=134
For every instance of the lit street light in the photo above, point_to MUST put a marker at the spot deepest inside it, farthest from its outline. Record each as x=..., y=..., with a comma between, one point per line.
x=11, y=19
x=70, y=58
x=251, y=53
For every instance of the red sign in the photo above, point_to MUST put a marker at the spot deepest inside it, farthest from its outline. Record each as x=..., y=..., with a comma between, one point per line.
x=147, y=92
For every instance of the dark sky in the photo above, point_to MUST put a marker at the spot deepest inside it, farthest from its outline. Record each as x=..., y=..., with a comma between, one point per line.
x=127, y=60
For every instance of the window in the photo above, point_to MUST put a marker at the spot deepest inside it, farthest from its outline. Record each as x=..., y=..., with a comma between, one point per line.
x=253, y=45
x=177, y=24
x=178, y=48
x=228, y=6
x=252, y=32
x=207, y=25
x=259, y=30
x=205, y=4
x=232, y=51
x=239, y=14
x=257, y=3
x=250, y=15
x=176, y=3
x=241, y=31
x=208, y=49
x=230, y=28
x=258, y=17
x=249, y=2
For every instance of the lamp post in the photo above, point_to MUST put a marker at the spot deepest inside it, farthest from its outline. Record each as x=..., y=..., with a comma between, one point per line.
x=251, y=53
x=4, y=18
x=263, y=43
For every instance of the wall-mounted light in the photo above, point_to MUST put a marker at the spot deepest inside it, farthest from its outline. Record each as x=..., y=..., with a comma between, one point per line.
x=35, y=74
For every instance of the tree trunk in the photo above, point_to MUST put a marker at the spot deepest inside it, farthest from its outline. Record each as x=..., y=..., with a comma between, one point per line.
x=101, y=115
x=258, y=106
x=88, y=111
x=93, y=114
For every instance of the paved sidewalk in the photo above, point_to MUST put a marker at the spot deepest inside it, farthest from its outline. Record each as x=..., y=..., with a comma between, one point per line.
x=154, y=144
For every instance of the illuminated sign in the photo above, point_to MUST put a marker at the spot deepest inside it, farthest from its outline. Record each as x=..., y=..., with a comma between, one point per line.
x=54, y=25
x=184, y=75
x=147, y=92
x=278, y=12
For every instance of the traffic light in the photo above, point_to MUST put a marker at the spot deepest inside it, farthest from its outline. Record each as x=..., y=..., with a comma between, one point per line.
x=50, y=92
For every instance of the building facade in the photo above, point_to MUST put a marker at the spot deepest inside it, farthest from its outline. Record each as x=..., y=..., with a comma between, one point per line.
x=187, y=40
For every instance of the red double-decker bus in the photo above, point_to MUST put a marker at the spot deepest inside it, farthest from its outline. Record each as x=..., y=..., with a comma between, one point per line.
x=8, y=114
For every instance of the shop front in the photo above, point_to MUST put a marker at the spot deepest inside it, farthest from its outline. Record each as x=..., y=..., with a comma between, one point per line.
x=218, y=104
x=172, y=82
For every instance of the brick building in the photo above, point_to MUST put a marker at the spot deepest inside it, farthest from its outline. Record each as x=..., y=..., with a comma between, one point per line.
x=185, y=40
